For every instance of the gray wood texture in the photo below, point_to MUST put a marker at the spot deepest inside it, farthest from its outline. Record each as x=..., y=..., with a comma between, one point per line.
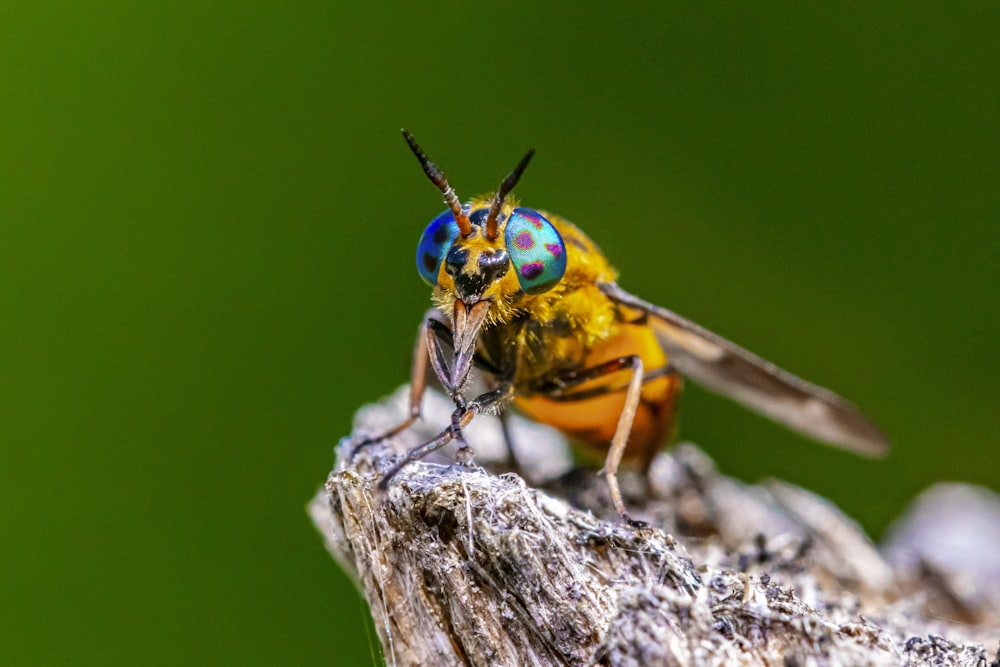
x=463, y=566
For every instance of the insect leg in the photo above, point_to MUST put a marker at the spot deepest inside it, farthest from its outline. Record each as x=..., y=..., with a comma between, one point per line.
x=560, y=388
x=620, y=441
x=459, y=420
x=432, y=333
x=561, y=394
x=439, y=362
x=443, y=334
x=418, y=383
x=512, y=463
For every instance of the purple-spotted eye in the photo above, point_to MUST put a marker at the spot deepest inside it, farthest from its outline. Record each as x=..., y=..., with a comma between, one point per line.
x=536, y=250
x=434, y=243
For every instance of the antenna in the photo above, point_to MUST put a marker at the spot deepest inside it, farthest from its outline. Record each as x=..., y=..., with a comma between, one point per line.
x=438, y=179
x=492, y=226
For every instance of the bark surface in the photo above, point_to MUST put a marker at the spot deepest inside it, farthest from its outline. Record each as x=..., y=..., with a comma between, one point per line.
x=463, y=566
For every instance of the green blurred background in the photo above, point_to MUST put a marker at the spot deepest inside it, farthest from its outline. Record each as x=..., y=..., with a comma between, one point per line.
x=207, y=233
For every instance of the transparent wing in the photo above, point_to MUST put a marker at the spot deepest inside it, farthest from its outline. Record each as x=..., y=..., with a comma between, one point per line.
x=728, y=369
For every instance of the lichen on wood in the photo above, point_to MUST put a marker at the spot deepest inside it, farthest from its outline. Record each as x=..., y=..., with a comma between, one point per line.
x=464, y=566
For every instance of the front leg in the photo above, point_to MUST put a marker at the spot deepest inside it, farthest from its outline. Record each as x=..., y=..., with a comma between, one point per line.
x=460, y=418
x=418, y=382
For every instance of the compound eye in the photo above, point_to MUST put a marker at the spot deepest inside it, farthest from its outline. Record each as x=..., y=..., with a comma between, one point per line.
x=536, y=250
x=434, y=244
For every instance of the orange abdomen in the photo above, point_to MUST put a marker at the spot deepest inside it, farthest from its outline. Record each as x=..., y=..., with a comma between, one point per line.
x=592, y=421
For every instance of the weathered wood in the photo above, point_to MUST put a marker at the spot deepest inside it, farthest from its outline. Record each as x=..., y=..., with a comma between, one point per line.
x=465, y=567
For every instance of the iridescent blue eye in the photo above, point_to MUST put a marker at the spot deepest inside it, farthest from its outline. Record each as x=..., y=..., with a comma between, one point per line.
x=434, y=243
x=536, y=250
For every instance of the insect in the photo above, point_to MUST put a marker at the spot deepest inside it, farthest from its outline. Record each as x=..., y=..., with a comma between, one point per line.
x=526, y=298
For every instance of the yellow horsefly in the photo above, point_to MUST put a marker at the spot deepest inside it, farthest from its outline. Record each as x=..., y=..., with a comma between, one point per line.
x=529, y=301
